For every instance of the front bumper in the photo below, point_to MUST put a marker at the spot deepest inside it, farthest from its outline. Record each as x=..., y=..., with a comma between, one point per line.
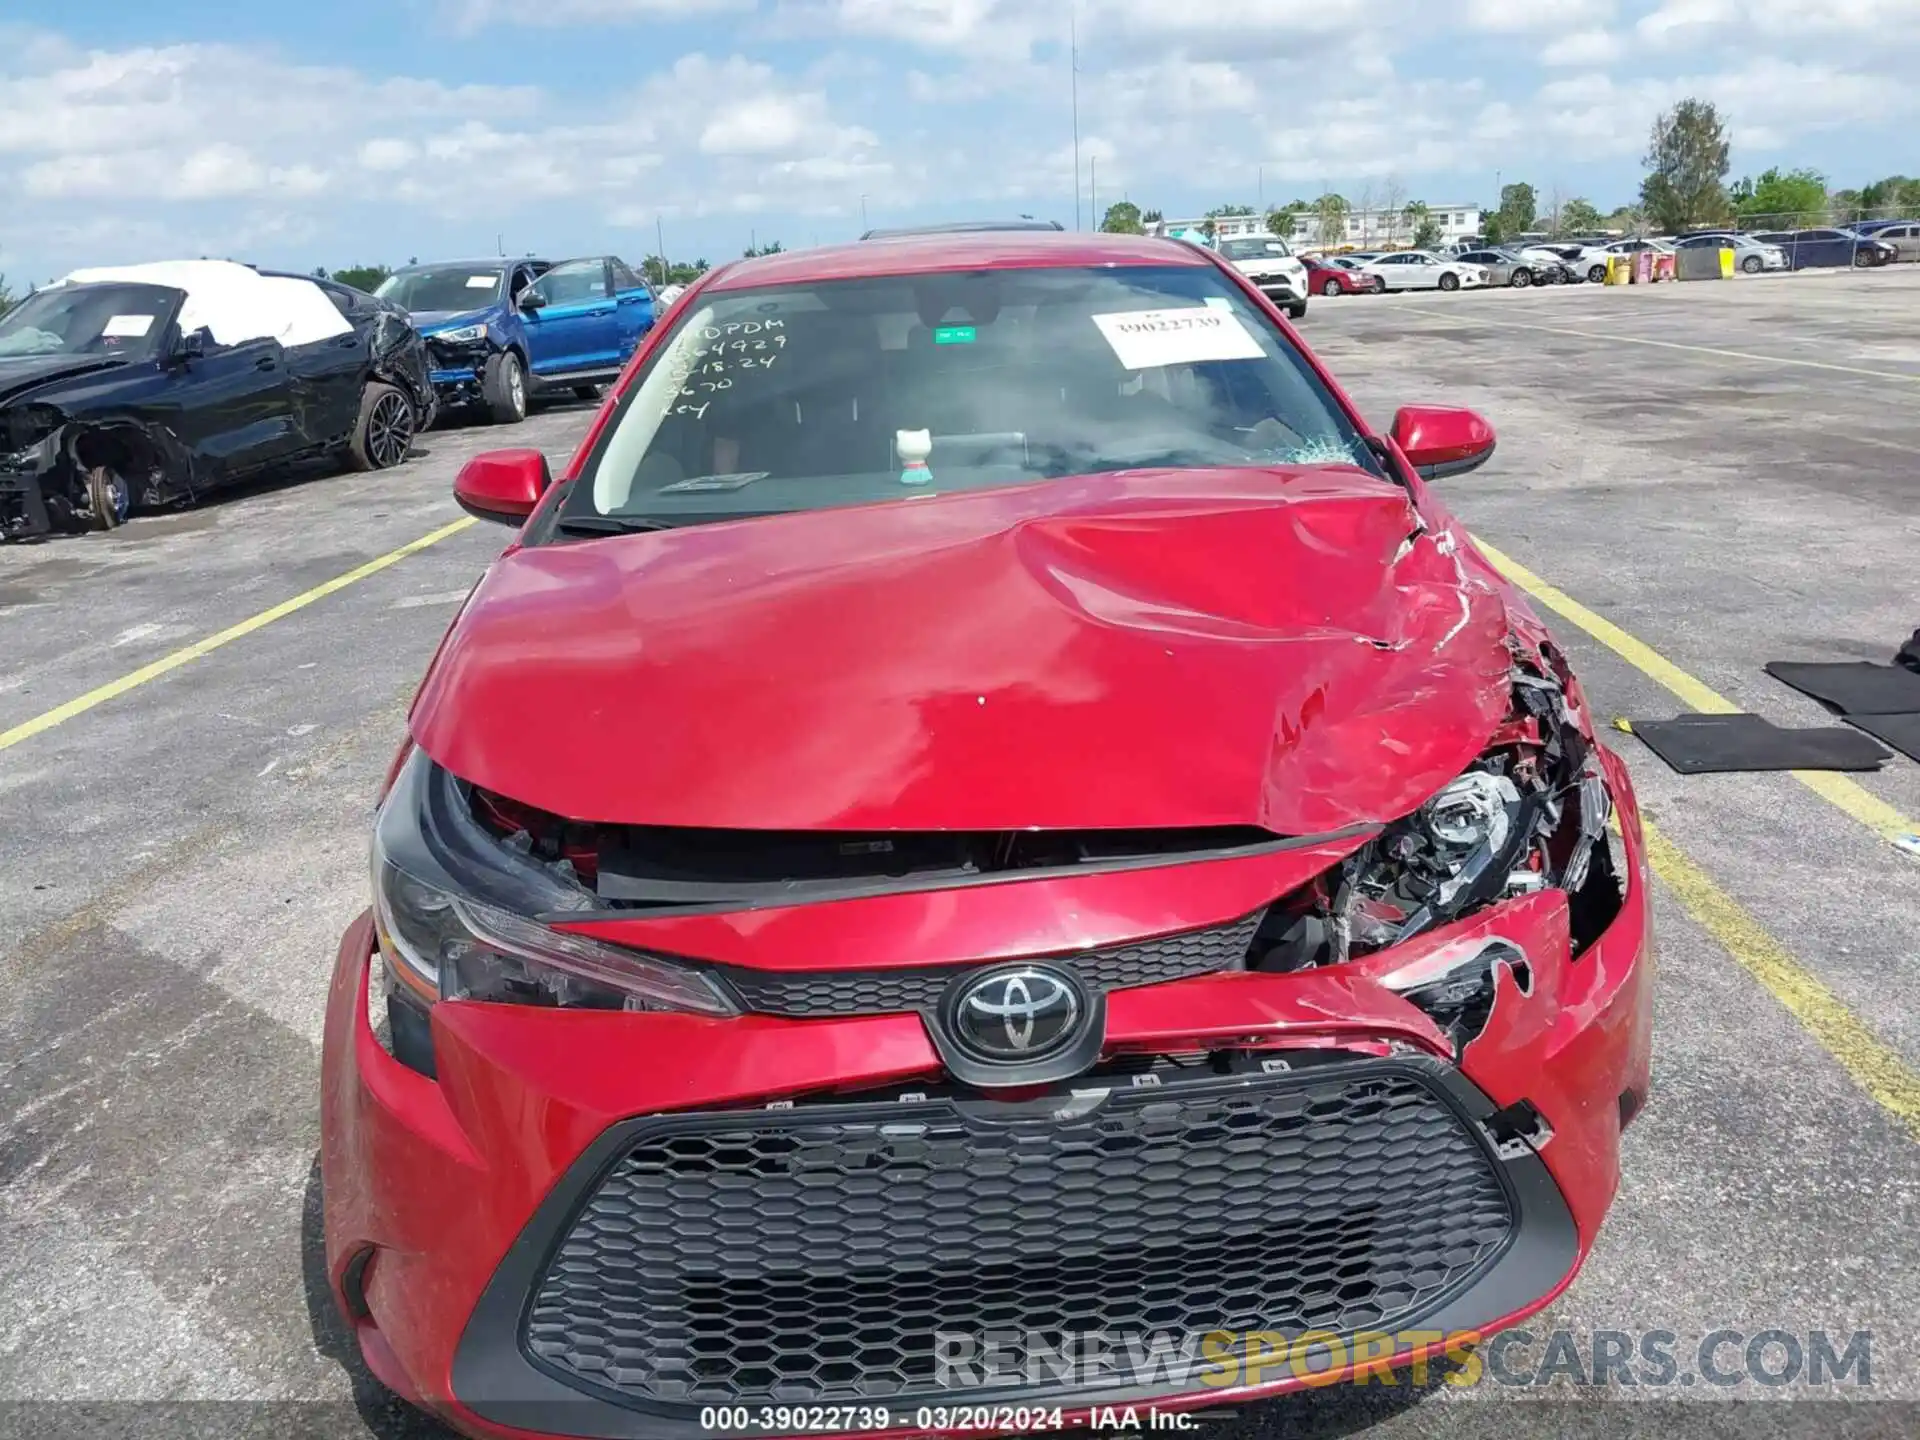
x=23, y=505
x=1281, y=289
x=451, y=1204
x=456, y=371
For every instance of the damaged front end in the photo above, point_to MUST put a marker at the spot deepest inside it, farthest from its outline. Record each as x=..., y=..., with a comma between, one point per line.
x=1530, y=814
x=60, y=474
x=31, y=456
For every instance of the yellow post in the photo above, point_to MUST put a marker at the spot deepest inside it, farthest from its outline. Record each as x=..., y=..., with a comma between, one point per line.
x=1726, y=263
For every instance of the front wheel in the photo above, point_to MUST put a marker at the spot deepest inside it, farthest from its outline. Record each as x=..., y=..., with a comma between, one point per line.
x=111, y=496
x=1752, y=265
x=1597, y=275
x=1449, y=282
x=1521, y=279
x=504, y=388
x=384, y=432
x=1330, y=287
x=1297, y=310
x=1861, y=260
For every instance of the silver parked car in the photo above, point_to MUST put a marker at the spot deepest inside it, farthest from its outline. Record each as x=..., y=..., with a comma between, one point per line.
x=1751, y=256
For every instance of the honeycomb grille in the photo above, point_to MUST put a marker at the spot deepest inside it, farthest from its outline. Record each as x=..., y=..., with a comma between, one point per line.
x=806, y=994
x=813, y=1255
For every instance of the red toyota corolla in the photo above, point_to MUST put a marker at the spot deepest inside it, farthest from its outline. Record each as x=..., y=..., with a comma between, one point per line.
x=988, y=826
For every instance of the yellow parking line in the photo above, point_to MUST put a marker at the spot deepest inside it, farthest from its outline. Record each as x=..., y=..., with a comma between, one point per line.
x=1843, y=794
x=1873, y=1065
x=80, y=704
x=1699, y=349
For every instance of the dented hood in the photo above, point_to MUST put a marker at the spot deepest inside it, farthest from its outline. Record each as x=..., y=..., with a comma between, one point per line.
x=1284, y=648
x=20, y=375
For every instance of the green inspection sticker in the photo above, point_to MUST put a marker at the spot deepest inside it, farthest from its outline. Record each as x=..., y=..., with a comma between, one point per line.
x=954, y=335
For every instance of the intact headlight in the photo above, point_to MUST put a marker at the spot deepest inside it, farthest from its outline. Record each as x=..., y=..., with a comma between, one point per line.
x=461, y=915
x=464, y=335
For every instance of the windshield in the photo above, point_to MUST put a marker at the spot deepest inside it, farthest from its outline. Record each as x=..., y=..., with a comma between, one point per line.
x=1260, y=249
x=122, y=320
x=443, y=287
x=858, y=391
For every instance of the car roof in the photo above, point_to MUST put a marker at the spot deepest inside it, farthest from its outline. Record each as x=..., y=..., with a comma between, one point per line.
x=496, y=261
x=961, y=227
x=954, y=250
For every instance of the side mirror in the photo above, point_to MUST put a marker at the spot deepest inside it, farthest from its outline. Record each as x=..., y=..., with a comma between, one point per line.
x=531, y=301
x=193, y=345
x=1441, y=441
x=502, y=485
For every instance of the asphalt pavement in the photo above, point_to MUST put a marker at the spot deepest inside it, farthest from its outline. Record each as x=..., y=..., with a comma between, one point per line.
x=1726, y=472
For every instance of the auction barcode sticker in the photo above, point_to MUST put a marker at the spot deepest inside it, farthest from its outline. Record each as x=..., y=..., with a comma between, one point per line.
x=1146, y=338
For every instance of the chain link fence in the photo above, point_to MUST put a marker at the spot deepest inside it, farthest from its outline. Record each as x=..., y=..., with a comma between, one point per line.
x=1835, y=236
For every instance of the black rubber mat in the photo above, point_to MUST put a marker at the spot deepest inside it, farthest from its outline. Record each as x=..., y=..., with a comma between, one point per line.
x=1853, y=687
x=1900, y=731
x=1714, y=744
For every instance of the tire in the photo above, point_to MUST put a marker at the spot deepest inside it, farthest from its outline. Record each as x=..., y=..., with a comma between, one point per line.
x=1861, y=260
x=503, y=386
x=112, y=497
x=1597, y=275
x=1753, y=264
x=587, y=392
x=1297, y=310
x=383, y=434
x=1330, y=287
x=1449, y=282
x=1519, y=280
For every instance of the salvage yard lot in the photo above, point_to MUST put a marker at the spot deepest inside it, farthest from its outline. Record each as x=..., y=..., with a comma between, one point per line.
x=1729, y=473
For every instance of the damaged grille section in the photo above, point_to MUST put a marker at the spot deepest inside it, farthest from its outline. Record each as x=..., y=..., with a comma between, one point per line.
x=814, y=1255
x=651, y=867
x=809, y=993
x=1530, y=813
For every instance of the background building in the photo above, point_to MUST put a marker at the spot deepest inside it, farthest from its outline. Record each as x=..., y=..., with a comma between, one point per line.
x=1363, y=229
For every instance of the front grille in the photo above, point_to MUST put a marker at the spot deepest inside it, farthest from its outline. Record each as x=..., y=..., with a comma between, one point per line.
x=812, y=1255
x=806, y=994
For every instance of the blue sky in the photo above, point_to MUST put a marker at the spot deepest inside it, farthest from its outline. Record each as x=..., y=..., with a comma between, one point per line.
x=356, y=131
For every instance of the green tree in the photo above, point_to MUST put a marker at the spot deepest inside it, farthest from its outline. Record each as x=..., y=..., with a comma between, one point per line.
x=678, y=273
x=1423, y=229
x=1123, y=219
x=1491, y=230
x=1330, y=218
x=1518, y=208
x=1789, y=193
x=362, y=277
x=1686, y=164
x=1895, y=193
x=772, y=247
x=1578, y=217
x=1152, y=217
x=1220, y=212
x=1280, y=218
x=7, y=302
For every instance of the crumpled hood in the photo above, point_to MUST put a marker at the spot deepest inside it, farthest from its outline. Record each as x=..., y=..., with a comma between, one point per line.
x=20, y=374
x=1282, y=648
x=429, y=320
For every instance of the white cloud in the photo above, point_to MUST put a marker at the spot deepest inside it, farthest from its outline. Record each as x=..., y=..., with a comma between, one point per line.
x=1584, y=47
x=469, y=15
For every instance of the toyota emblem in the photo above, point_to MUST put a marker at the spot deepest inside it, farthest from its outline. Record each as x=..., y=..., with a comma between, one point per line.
x=1017, y=1015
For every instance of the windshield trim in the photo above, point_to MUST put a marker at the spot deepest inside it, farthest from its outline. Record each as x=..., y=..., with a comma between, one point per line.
x=573, y=496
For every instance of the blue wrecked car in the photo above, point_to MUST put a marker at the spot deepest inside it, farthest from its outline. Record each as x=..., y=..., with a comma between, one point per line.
x=500, y=332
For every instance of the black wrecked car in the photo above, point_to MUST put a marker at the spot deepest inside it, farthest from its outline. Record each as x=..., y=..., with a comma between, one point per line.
x=156, y=384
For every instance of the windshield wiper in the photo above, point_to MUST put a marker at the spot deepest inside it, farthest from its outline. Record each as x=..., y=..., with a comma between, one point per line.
x=607, y=524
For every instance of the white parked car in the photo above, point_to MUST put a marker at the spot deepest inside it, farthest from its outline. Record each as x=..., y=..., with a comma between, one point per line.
x=1420, y=270
x=1266, y=260
x=1750, y=256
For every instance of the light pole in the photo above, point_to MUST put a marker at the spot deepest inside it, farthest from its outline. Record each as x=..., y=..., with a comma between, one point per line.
x=1073, y=67
x=863, y=214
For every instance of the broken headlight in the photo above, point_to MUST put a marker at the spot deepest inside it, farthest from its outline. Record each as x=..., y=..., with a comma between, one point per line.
x=1530, y=813
x=463, y=915
x=462, y=335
